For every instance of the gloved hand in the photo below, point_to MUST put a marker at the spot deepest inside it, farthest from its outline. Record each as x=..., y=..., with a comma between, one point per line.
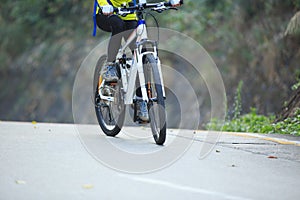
x=107, y=10
x=175, y=3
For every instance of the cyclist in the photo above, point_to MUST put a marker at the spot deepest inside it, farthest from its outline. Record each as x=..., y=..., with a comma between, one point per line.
x=119, y=26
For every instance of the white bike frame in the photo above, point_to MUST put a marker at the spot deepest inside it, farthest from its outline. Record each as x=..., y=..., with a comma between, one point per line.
x=128, y=76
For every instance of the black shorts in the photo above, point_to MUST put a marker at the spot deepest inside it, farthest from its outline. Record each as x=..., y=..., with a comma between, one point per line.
x=114, y=24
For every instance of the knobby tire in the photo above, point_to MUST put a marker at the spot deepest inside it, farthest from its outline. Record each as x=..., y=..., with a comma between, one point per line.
x=104, y=112
x=156, y=105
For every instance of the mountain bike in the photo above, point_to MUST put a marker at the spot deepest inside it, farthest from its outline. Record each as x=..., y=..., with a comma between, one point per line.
x=140, y=70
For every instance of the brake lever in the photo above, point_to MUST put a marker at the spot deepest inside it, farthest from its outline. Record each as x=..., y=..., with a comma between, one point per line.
x=161, y=9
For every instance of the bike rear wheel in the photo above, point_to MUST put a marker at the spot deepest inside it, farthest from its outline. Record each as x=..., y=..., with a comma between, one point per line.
x=156, y=104
x=110, y=113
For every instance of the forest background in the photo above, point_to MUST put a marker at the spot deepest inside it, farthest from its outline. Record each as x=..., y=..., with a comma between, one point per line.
x=43, y=43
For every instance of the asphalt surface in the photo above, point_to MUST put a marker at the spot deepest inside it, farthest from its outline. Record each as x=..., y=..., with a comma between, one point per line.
x=64, y=161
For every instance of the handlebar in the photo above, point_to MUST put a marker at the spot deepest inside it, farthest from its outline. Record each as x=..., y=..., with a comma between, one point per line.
x=158, y=7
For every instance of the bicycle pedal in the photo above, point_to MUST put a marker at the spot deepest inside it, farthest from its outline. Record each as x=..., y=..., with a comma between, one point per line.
x=140, y=121
x=143, y=123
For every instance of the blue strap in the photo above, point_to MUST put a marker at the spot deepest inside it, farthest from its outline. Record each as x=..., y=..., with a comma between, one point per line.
x=94, y=18
x=134, y=2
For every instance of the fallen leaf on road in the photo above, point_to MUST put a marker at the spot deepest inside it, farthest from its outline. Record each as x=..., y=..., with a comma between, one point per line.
x=87, y=186
x=34, y=122
x=20, y=182
x=218, y=151
x=272, y=157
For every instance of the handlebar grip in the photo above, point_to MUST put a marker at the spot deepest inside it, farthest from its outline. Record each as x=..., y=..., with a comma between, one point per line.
x=168, y=4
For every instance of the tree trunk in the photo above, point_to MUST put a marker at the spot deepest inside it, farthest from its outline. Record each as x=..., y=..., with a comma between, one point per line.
x=291, y=106
x=292, y=52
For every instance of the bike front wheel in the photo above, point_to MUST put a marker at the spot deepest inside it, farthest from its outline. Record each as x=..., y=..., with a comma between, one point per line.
x=156, y=104
x=109, y=106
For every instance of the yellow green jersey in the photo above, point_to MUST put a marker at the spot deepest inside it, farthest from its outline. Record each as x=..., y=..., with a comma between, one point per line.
x=117, y=3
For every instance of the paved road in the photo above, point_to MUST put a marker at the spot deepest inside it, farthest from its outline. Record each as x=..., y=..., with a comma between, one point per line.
x=60, y=161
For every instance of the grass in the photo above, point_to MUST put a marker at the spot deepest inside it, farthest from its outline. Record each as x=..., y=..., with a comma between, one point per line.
x=254, y=123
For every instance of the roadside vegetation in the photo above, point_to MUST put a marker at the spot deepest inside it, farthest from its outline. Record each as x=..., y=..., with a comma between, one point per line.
x=255, y=45
x=255, y=123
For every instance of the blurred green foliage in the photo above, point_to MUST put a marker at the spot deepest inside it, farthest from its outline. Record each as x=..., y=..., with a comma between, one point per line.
x=29, y=22
x=244, y=38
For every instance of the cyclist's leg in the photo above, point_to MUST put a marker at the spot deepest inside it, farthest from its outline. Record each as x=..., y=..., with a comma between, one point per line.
x=130, y=26
x=142, y=109
x=115, y=25
x=143, y=115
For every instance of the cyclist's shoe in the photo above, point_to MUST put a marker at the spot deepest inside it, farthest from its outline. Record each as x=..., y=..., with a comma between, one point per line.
x=143, y=111
x=109, y=72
